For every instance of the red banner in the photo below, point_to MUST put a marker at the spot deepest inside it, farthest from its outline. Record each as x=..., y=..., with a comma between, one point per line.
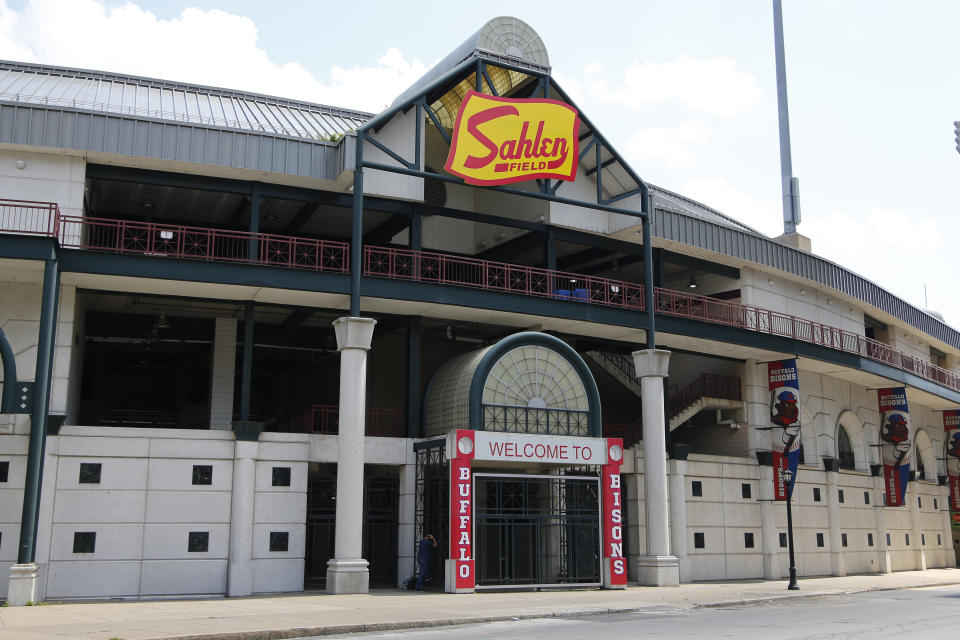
x=613, y=524
x=951, y=427
x=461, y=511
x=784, y=380
x=895, y=443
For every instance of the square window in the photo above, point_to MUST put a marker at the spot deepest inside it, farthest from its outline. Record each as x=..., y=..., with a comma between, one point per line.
x=696, y=489
x=888, y=539
x=198, y=541
x=843, y=539
x=4, y=470
x=202, y=474
x=698, y=542
x=783, y=540
x=84, y=541
x=748, y=540
x=745, y=490
x=89, y=473
x=279, y=540
x=281, y=476
x=907, y=537
x=816, y=494
x=869, y=539
x=819, y=539
x=866, y=497
x=840, y=496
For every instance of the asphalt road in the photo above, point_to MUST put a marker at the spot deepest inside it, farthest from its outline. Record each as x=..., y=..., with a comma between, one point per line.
x=904, y=614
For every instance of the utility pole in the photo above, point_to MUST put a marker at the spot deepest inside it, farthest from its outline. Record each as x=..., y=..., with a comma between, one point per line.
x=790, y=185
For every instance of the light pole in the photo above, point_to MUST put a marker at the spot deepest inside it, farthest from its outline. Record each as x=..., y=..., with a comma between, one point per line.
x=788, y=477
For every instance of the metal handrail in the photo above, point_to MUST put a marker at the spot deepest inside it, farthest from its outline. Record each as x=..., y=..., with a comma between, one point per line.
x=707, y=385
x=325, y=418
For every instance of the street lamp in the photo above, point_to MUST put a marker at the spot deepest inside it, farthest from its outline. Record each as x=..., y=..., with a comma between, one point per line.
x=788, y=477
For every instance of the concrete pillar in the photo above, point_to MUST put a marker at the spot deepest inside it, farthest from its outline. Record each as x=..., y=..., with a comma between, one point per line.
x=240, y=565
x=222, y=371
x=946, y=530
x=916, y=537
x=678, y=517
x=406, y=519
x=837, y=565
x=883, y=553
x=347, y=572
x=657, y=567
x=769, y=533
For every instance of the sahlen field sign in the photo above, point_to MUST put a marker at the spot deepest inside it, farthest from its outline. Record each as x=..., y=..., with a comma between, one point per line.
x=503, y=140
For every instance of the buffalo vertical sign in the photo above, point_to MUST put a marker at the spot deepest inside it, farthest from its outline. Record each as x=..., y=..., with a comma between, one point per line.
x=951, y=427
x=503, y=140
x=785, y=422
x=895, y=443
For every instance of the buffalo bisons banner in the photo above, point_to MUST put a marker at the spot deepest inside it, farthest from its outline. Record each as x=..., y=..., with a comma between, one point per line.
x=951, y=425
x=895, y=442
x=503, y=140
x=785, y=420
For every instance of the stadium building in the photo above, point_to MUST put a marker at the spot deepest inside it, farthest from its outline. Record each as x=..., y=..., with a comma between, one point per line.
x=256, y=345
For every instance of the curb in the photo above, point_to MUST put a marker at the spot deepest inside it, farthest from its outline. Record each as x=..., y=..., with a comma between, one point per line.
x=300, y=632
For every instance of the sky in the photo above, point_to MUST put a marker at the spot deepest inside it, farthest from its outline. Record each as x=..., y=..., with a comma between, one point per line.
x=684, y=89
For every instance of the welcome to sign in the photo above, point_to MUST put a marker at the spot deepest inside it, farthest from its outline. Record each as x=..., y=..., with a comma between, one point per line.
x=503, y=140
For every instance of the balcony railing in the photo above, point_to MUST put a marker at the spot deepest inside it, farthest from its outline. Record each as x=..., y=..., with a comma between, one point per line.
x=427, y=266
x=325, y=418
x=707, y=385
x=199, y=243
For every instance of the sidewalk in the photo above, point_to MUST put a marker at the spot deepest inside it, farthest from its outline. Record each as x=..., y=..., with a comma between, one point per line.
x=290, y=616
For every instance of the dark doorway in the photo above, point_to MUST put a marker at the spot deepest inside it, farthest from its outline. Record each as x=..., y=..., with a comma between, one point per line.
x=536, y=530
x=380, y=523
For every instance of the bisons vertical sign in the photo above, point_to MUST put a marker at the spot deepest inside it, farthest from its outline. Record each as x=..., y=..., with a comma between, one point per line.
x=785, y=424
x=951, y=427
x=895, y=443
x=503, y=140
x=461, y=562
x=614, y=572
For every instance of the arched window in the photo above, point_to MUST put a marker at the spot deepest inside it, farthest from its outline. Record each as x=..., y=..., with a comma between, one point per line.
x=845, y=449
x=921, y=470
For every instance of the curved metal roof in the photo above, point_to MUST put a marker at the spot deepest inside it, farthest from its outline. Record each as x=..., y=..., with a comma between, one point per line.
x=174, y=101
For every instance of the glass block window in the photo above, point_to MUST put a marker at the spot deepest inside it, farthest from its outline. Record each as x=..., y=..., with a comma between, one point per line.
x=84, y=541
x=748, y=540
x=696, y=488
x=845, y=449
x=840, y=496
x=90, y=473
x=281, y=476
x=783, y=540
x=745, y=490
x=198, y=541
x=698, y=541
x=447, y=403
x=279, y=540
x=4, y=470
x=819, y=539
x=816, y=494
x=202, y=474
x=843, y=539
x=869, y=539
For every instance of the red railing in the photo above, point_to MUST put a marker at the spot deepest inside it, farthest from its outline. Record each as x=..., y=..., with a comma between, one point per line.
x=123, y=236
x=325, y=418
x=708, y=385
x=201, y=243
x=631, y=432
x=28, y=217
x=442, y=268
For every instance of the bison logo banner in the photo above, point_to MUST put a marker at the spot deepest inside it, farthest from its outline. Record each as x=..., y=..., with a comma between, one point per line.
x=785, y=422
x=504, y=140
x=895, y=443
x=951, y=427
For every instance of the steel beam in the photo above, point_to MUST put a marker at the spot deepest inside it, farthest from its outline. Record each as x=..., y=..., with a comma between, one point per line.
x=246, y=370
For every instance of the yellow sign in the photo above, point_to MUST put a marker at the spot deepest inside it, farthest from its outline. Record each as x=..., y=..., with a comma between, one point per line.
x=504, y=140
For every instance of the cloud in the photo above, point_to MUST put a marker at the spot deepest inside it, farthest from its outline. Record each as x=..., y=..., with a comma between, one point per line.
x=763, y=215
x=204, y=47
x=713, y=86
x=655, y=146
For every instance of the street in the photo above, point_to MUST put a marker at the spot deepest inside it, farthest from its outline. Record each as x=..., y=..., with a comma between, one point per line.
x=902, y=614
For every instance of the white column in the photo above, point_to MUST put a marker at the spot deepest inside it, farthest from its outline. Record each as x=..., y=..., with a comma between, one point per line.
x=678, y=517
x=768, y=525
x=240, y=564
x=838, y=566
x=406, y=514
x=657, y=568
x=883, y=554
x=347, y=572
x=946, y=528
x=916, y=538
x=222, y=370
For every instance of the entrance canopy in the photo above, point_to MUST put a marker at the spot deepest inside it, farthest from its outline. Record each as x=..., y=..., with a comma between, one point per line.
x=527, y=383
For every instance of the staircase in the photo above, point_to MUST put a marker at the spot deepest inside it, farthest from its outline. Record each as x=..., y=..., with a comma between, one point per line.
x=709, y=391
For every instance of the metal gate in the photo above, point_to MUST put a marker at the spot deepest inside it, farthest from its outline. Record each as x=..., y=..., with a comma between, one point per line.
x=536, y=530
x=380, y=528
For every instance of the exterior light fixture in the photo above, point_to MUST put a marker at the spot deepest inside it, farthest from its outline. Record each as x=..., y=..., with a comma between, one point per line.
x=692, y=284
x=270, y=218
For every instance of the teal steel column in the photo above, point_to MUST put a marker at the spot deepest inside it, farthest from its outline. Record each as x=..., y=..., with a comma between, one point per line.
x=9, y=400
x=253, y=249
x=550, y=250
x=413, y=377
x=648, y=272
x=356, y=241
x=415, y=240
x=38, y=421
x=246, y=373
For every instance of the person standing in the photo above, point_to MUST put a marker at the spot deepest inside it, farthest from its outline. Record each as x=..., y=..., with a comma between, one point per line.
x=424, y=557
